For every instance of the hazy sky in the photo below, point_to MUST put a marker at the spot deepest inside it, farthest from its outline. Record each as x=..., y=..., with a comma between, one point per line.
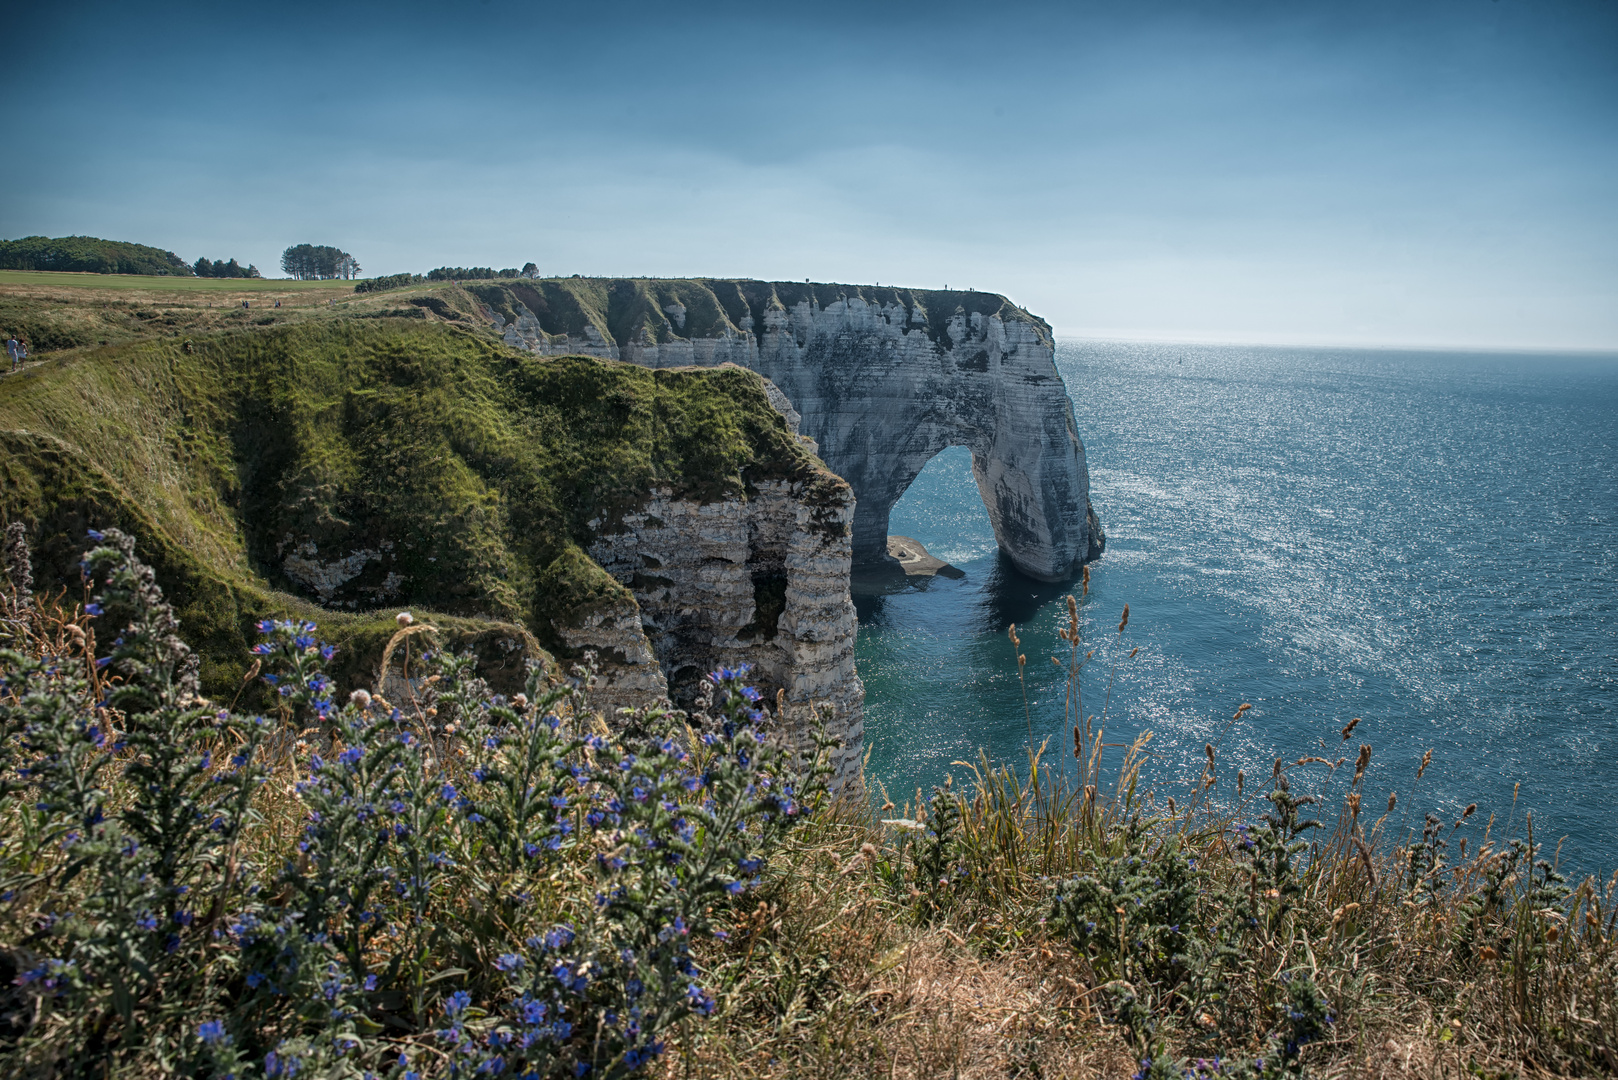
x=1412, y=173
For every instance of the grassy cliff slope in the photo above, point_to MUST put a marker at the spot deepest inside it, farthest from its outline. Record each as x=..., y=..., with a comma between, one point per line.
x=367, y=464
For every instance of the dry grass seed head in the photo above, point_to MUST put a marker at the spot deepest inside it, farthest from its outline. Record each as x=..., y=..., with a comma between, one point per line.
x=1363, y=761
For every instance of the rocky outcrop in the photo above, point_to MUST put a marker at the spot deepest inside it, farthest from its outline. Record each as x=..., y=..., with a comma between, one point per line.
x=884, y=379
x=761, y=581
x=916, y=561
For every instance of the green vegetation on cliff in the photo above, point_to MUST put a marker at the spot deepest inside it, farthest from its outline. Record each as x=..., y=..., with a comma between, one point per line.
x=365, y=460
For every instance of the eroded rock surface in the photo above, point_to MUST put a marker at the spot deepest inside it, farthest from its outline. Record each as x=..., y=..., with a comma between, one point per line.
x=916, y=561
x=761, y=581
x=883, y=379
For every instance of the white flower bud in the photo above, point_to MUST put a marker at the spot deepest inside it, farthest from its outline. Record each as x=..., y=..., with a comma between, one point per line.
x=404, y=618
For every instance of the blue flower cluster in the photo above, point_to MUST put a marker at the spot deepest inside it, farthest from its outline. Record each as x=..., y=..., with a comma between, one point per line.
x=426, y=886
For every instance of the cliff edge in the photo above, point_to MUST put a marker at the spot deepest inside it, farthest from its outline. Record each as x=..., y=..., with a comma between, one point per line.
x=882, y=378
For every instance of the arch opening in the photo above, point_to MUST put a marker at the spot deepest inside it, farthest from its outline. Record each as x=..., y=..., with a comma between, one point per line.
x=942, y=510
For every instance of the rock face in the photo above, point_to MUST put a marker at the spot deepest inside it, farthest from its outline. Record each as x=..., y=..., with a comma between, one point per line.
x=884, y=379
x=761, y=581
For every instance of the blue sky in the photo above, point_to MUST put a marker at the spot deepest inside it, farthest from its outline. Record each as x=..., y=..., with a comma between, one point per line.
x=1440, y=173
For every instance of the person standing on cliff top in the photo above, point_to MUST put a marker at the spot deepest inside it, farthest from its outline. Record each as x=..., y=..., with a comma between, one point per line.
x=15, y=351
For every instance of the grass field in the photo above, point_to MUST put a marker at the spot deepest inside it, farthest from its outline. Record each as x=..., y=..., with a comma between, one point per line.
x=155, y=283
x=55, y=312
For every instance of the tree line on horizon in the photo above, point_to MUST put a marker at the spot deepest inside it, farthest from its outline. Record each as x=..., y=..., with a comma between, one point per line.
x=480, y=273
x=306, y=262
x=93, y=255
x=203, y=268
x=89, y=254
x=318, y=262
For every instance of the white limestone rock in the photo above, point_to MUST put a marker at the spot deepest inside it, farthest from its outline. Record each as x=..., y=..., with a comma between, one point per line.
x=761, y=581
x=881, y=387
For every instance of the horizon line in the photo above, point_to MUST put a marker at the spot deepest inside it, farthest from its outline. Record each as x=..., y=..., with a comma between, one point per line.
x=1138, y=337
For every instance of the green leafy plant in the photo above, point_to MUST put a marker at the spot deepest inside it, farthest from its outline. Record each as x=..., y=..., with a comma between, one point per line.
x=486, y=886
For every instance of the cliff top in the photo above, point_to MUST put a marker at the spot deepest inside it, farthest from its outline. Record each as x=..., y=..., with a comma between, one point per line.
x=669, y=309
x=57, y=312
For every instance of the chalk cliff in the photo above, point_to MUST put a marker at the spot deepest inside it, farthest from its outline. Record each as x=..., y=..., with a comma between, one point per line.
x=761, y=581
x=883, y=380
x=664, y=512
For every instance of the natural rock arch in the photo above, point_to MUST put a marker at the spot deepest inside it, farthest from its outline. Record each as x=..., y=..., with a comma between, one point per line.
x=883, y=380
x=879, y=410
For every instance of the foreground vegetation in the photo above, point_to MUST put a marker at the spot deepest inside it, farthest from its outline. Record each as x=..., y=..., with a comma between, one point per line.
x=459, y=883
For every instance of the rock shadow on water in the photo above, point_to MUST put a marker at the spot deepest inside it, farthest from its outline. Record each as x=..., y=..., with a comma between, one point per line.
x=1010, y=596
x=994, y=591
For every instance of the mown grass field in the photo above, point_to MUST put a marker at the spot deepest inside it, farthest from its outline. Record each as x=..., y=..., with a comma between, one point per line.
x=58, y=313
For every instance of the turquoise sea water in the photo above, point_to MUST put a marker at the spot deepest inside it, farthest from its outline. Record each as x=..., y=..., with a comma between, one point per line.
x=1425, y=540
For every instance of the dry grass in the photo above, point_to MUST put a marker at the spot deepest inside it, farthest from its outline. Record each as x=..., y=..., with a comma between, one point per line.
x=832, y=976
x=976, y=984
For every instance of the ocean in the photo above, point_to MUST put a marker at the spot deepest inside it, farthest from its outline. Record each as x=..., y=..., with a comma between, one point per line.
x=1423, y=540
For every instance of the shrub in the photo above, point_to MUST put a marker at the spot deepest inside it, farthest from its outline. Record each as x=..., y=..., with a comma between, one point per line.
x=220, y=269
x=470, y=273
x=479, y=885
x=1168, y=939
x=392, y=281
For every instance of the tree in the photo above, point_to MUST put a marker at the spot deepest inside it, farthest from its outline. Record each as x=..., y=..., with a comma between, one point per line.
x=299, y=261
x=529, y=270
x=88, y=254
x=220, y=269
x=310, y=262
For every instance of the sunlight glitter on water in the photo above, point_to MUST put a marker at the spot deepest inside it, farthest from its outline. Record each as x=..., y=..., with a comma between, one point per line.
x=1425, y=540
